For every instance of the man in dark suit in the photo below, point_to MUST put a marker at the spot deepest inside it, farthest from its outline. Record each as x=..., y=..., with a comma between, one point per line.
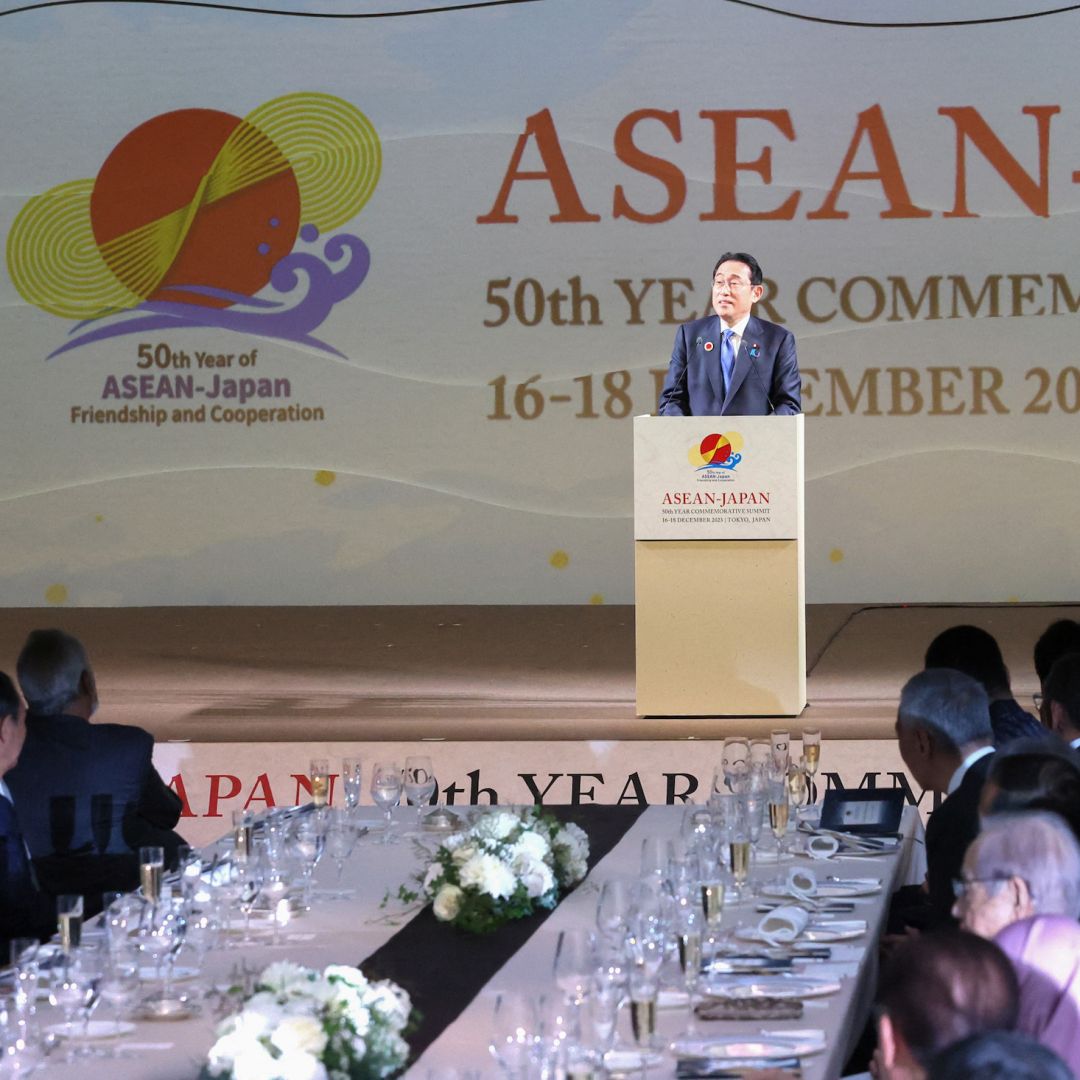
x=24, y=912
x=946, y=741
x=731, y=363
x=88, y=794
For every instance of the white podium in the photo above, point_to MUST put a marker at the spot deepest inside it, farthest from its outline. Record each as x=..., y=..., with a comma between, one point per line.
x=719, y=579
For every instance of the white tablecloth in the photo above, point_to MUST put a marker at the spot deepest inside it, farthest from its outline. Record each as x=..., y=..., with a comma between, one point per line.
x=347, y=931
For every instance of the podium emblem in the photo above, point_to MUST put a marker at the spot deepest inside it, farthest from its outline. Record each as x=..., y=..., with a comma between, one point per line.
x=717, y=451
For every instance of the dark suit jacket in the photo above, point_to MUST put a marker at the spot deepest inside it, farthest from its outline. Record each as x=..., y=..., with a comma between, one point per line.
x=88, y=798
x=952, y=827
x=764, y=379
x=24, y=912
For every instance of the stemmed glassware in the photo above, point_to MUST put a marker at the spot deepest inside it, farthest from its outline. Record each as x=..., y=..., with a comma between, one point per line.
x=319, y=775
x=250, y=871
x=419, y=783
x=352, y=779
x=613, y=910
x=75, y=990
x=514, y=1038
x=69, y=915
x=151, y=871
x=811, y=755
x=340, y=840
x=161, y=936
x=779, y=810
x=574, y=963
x=386, y=792
x=308, y=844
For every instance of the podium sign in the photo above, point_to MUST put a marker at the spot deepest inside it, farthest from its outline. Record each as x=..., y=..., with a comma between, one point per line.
x=720, y=597
x=717, y=478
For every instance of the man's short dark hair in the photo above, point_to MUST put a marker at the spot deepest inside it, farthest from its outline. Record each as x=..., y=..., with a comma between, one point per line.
x=50, y=669
x=1058, y=639
x=944, y=986
x=1063, y=686
x=1036, y=774
x=9, y=697
x=752, y=264
x=973, y=651
x=998, y=1055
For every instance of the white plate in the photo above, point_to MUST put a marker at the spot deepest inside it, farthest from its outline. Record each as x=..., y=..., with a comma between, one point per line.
x=774, y=986
x=179, y=974
x=825, y=891
x=672, y=999
x=822, y=934
x=772, y=1045
x=97, y=1029
x=620, y=1061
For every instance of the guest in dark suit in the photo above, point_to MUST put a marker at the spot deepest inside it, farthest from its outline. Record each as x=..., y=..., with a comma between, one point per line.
x=1062, y=699
x=1059, y=639
x=731, y=363
x=943, y=728
x=975, y=652
x=88, y=794
x=24, y=912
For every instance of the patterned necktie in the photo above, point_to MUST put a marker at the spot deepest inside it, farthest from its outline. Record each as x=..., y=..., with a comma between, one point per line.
x=727, y=358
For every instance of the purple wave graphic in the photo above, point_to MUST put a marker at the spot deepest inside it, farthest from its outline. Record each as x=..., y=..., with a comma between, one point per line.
x=292, y=318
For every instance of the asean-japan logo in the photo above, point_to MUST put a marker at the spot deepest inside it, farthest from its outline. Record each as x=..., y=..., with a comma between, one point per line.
x=717, y=452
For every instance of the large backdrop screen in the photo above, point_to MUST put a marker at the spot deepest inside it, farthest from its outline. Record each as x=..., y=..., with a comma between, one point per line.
x=357, y=309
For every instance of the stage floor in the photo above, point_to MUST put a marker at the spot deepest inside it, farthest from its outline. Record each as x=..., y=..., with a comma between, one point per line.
x=340, y=674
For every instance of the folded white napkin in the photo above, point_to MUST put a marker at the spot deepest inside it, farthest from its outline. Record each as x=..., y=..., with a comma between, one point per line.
x=784, y=924
x=822, y=847
x=802, y=883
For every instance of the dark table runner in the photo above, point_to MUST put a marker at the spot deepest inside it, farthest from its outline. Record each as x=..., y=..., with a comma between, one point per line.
x=443, y=969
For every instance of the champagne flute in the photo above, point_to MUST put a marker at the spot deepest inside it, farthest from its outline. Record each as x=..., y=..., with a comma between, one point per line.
x=739, y=859
x=419, y=783
x=386, y=792
x=780, y=742
x=352, y=776
x=811, y=742
x=69, y=915
x=573, y=963
x=643, y=993
x=779, y=810
x=319, y=774
x=151, y=869
x=689, y=942
x=340, y=839
x=243, y=830
x=613, y=909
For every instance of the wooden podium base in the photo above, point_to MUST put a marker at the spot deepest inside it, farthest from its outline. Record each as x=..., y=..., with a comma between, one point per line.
x=720, y=628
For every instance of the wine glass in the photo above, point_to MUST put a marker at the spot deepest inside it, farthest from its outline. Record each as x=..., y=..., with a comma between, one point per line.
x=386, y=792
x=340, y=840
x=120, y=984
x=811, y=755
x=514, y=1037
x=161, y=937
x=151, y=870
x=613, y=909
x=573, y=963
x=70, y=992
x=780, y=742
x=319, y=775
x=419, y=783
x=250, y=871
x=689, y=942
x=352, y=775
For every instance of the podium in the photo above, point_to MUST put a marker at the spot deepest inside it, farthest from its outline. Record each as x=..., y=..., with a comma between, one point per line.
x=718, y=556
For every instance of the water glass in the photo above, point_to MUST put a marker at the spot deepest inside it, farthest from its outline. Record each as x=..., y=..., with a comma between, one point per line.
x=573, y=966
x=352, y=781
x=419, y=782
x=386, y=792
x=514, y=1037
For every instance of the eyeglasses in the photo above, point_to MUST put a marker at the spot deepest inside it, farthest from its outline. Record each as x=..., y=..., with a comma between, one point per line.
x=731, y=284
x=962, y=886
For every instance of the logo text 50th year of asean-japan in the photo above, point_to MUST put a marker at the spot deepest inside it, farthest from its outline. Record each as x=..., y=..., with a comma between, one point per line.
x=717, y=456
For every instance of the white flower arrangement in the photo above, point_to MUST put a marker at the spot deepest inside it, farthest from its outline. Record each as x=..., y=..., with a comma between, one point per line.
x=506, y=866
x=302, y=1025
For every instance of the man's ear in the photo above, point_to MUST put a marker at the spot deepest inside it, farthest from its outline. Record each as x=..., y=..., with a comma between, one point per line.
x=886, y=1037
x=925, y=742
x=1059, y=719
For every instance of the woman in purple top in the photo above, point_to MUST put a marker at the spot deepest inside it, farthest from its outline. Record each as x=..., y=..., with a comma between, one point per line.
x=1045, y=950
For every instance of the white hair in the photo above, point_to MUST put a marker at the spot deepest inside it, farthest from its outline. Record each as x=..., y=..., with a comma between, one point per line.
x=1038, y=847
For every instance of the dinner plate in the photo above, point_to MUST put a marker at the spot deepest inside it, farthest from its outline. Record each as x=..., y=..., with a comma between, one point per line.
x=178, y=974
x=775, y=1044
x=623, y=1061
x=773, y=986
x=829, y=890
x=822, y=933
x=96, y=1029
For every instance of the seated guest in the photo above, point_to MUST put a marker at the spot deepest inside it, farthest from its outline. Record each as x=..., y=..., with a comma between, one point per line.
x=998, y=1055
x=1034, y=774
x=943, y=728
x=935, y=990
x=1061, y=699
x=1045, y=951
x=973, y=651
x=24, y=912
x=1058, y=639
x=1018, y=866
x=88, y=794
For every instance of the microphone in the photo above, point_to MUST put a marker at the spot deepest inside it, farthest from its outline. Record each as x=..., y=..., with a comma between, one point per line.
x=680, y=383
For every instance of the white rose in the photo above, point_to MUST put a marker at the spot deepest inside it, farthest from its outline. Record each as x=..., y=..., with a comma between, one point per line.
x=464, y=853
x=255, y=1063
x=391, y=1003
x=260, y=1015
x=532, y=844
x=497, y=825
x=489, y=875
x=298, y=1066
x=535, y=875
x=299, y=1035
x=352, y=1003
x=285, y=977
x=350, y=976
x=447, y=903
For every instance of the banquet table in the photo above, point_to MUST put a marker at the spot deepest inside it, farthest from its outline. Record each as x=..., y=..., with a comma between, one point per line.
x=364, y=929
